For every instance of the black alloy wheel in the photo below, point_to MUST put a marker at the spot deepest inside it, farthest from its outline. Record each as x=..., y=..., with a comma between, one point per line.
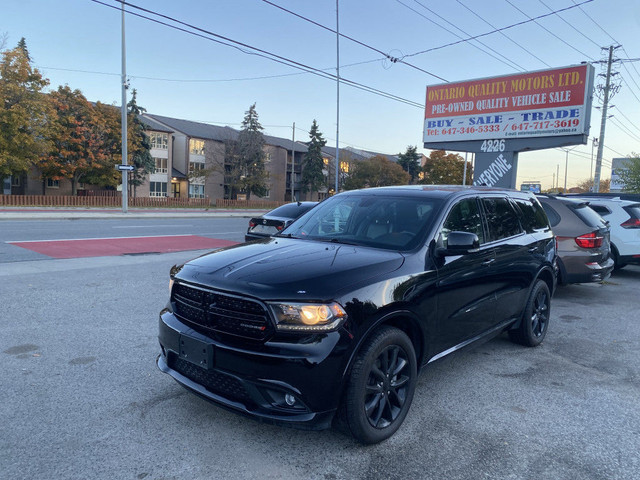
x=535, y=320
x=381, y=386
x=387, y=386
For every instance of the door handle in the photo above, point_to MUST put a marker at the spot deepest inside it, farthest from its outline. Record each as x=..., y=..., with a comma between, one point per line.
x=486, y=263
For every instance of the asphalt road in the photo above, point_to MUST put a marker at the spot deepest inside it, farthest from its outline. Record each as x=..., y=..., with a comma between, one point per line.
x=81, y=396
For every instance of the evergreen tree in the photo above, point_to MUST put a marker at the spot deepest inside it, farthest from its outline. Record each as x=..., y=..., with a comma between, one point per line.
x=22, y=45
x=24, y=113
x=313, y=178
x=250, y=155
x=410, y=162
x=139, y=145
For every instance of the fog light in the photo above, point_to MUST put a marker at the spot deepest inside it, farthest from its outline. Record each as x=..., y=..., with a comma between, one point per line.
x=290, y=399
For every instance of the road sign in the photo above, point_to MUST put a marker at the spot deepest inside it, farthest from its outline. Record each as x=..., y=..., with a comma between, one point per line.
x=125, y=167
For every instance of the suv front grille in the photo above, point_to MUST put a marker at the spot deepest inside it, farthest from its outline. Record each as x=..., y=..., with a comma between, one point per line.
x=220, y=312
x=216, y=382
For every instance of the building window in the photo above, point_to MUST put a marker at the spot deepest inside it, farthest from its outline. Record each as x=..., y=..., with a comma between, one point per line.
x=157, y=189
x=196, y=191
x=195, y=167
x=16, y=181
x=161, y=165
x=267, y=157
x=159, y=140
x=53, y=183
x=344, y=167
x=196, y=147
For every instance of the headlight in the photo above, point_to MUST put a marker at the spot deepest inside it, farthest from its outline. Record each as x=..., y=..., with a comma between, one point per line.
x=170, y=284
x=307, y=317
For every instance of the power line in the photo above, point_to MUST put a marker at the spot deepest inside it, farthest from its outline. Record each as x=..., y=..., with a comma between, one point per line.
x=504, y=34
x=204, y=80
x=257, y=51
x=624, y=129
x=329, y=29
x=549, y=31
x=474, y=37
x=570, y=24
x=506, y=61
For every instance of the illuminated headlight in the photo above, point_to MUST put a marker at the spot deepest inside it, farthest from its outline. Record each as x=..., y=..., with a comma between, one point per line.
x=308, y=317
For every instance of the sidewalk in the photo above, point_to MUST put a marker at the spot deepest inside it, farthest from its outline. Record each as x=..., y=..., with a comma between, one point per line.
x=67, y=213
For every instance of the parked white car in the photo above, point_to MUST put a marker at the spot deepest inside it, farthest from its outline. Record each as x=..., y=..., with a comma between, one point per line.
x=624, y=219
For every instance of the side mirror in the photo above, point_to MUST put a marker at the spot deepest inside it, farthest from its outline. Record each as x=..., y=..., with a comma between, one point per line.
x=460, y=243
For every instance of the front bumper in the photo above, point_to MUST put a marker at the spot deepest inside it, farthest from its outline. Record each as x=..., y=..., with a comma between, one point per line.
x=258, y=380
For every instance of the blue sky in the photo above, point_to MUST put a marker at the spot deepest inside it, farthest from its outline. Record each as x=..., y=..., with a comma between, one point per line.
x=77, y=42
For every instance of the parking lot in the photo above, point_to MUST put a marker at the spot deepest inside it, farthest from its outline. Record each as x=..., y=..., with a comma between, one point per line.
x=82, y=398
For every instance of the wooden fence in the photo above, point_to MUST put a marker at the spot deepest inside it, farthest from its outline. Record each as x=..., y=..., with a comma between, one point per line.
x=99, y=201
x=261, y=204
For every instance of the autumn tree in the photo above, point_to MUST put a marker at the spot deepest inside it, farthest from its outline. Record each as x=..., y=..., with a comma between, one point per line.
x=410, y=162
x=138, y=146
x=313, y=178
x=75, y=147
x=24, y=113
x=377, y=171
x=250, y=156
x=586, y=185
x=441, y=168
x=107, y=131
x=631, y=174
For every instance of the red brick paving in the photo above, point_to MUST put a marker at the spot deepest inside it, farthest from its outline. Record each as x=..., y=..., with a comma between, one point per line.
x=104, y=247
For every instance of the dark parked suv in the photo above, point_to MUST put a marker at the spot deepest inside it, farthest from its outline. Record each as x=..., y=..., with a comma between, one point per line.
x=584, y=251
x=333, y=318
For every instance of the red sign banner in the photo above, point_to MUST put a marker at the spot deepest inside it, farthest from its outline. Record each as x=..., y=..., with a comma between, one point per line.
x=547, y=102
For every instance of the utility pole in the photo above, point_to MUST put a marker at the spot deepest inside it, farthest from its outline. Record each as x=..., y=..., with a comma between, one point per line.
x=293, y=161
x=557, y=176
x=464, y=172
x=603, y=122
x=594, y=141
x=125, y=173
x=337, y=96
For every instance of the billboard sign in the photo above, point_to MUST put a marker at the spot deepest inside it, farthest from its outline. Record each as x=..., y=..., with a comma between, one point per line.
x=555, y=102
x=618, y=165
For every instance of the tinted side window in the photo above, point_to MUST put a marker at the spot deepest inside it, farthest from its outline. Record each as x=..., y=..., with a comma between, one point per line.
x=600, y=209
x=501, y=218
x=533, y=216
x=588, y=216
x=463, y=217
x=554, y=217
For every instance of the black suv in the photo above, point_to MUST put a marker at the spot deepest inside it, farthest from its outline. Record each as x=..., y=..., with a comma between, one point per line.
x=334, y=317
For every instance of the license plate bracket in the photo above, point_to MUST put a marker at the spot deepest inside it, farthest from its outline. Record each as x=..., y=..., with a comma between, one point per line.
x=196, y=351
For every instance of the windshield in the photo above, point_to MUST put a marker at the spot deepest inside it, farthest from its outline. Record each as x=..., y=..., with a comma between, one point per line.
x=394, y=223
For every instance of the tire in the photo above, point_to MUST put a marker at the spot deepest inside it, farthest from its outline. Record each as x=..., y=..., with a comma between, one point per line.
x=616, y=258
x=380, y=386
x=535, y=319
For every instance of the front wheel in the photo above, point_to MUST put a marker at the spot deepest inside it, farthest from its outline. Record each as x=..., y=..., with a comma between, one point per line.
x=381, y=386
x=535, y=320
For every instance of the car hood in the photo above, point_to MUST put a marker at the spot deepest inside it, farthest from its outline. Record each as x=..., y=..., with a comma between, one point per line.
x=280, y=268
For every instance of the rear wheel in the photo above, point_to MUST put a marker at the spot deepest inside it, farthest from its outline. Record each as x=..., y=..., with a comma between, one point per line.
x=381, y=386
x=617, y=264
x=535, y=320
